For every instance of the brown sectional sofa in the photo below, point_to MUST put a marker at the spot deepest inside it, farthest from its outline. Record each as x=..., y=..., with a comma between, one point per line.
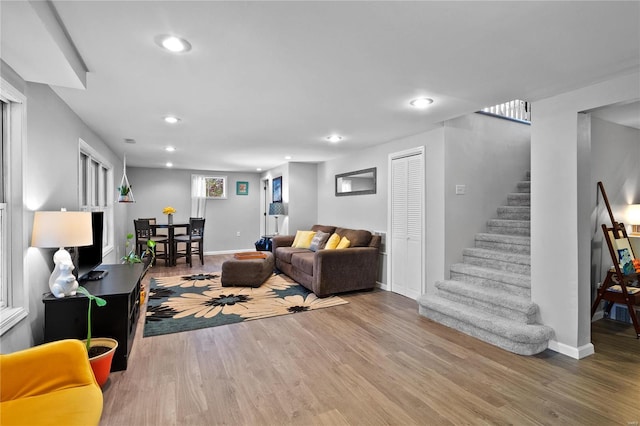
x=326, y=272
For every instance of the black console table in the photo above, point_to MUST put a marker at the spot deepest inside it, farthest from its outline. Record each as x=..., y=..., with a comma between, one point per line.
x=66, y=317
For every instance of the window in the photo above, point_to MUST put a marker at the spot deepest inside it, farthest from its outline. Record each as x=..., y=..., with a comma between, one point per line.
x=95, y=185
x=13, y=283
x=4, y=240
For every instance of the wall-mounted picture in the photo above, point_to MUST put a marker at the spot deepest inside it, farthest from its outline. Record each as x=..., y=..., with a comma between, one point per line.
x=242, y=188
x=277, y=190
x=216, y=187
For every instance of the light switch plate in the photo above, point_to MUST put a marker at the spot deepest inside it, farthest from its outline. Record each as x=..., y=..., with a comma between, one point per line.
x=461, y=189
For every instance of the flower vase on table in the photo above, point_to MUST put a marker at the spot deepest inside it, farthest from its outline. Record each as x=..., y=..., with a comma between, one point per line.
x=169, y=211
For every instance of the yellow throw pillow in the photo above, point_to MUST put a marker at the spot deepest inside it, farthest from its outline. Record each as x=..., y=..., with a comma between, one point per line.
x=304, y=240
x=344, y=243
x=297, y=238
x=332, y=242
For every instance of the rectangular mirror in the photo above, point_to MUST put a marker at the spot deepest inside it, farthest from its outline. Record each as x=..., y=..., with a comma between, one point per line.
x=359, y=182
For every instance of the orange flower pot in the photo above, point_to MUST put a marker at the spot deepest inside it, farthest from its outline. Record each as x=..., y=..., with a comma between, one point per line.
x=101, y=364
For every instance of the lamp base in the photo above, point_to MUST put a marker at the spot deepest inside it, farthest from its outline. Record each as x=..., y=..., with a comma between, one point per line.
x=62, y=282
x=276, y=233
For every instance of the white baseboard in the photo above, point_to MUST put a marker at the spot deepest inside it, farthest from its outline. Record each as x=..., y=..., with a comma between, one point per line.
x=382, y=286
x=571, y=351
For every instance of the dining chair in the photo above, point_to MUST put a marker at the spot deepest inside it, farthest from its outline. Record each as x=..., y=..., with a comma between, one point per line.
x=144, y=233
x=194, y=236
x=161, y=233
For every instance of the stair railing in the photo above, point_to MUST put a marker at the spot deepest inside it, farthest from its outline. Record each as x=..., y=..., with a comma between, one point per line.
x=516, y=110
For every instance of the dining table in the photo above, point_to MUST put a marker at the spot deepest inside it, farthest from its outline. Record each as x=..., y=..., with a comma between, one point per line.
x=171, y=234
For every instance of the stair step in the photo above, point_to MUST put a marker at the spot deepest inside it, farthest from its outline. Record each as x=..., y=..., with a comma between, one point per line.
x=523, y=339
x=514, y=212
x=510, y=282
x=501, y=242
x=509, y=227
x=519, y=199
x=505, y=261
x=510, y=306
x=524, y=186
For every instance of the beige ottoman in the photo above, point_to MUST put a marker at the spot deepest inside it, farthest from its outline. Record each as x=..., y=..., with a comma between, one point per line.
x=247, y=272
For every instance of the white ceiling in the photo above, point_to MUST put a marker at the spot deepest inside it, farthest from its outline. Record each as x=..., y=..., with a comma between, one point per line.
x=270, y=79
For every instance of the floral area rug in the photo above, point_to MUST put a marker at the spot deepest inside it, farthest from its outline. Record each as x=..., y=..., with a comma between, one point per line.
x=190, y=302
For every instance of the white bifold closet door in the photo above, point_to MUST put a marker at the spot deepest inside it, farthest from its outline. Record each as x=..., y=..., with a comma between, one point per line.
x=407, y=221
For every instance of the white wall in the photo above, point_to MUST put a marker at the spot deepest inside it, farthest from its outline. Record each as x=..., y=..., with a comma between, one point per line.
x=154, y=189
x=489, y=156
x=51, y=182
x=615, y=155
x=560, y=213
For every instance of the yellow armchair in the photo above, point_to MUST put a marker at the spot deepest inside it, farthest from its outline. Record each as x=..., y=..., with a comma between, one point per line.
x=50, y=384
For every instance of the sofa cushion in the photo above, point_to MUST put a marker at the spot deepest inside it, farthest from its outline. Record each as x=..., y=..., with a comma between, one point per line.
x=285, y=253
x=303, y=261
x=319, y=240
x=357, y=237
x=303, y=239
x=332, y=242
x=324, y=228
x=344, y=243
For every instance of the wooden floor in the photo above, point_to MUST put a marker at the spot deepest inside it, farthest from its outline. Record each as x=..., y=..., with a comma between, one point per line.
x=374, y=361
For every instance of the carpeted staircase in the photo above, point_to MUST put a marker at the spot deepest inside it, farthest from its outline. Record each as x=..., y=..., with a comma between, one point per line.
x=489, y=293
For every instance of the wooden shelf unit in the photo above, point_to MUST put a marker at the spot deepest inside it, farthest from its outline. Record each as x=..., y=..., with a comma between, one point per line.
x=66, y=318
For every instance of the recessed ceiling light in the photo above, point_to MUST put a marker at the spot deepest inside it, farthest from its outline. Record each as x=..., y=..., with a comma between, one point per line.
x=173, y=44
x=129, y=140
x=287, y=157
x=171, y=119
x=169, y=164
x=170, y=149
x=421, y=103
x=334, y=138
x=259, y=169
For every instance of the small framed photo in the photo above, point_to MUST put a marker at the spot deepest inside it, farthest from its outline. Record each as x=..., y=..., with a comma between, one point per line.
x=216, y=187
x=242, y=188
x=276, y=196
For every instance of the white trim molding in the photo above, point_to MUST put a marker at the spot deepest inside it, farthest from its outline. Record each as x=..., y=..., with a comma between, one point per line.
x=17, y=291
x=571, y=351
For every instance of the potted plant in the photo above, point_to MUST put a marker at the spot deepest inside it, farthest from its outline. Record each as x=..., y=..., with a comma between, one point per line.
x=100, y=350
x=147, y=257
x=124, y=193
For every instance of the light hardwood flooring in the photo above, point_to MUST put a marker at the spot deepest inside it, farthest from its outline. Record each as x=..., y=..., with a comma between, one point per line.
x=374, y=361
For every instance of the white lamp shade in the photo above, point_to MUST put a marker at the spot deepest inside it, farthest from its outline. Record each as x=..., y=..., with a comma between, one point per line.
x=62, y=229
x=633, y=214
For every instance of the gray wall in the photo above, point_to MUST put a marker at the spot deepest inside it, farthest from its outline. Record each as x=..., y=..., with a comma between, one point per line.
x=51, y=182
x=489, y=155
x=154, y=189
x=486, y=154
x=615, y=155
x=370, y=211
x=303, y=199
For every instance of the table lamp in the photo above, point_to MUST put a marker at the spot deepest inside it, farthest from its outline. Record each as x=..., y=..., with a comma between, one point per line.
x=276, y=209
x=62, y=229
x=633, y=217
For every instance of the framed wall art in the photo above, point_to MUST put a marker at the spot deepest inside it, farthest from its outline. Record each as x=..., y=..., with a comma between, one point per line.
x=276, y=196
x=216, y=187
x=242, y=188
